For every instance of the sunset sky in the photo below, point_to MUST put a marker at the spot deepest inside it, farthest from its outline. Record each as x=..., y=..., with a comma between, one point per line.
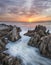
x=25, y=10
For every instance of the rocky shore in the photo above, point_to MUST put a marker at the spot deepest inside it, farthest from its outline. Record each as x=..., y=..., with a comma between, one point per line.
x=8, y=33
x=40, y=38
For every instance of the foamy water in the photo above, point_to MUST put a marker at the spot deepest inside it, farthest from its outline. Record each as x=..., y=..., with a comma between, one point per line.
x=29, y=55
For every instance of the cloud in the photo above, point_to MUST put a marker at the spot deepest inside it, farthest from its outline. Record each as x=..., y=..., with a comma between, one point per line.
x=19, y=7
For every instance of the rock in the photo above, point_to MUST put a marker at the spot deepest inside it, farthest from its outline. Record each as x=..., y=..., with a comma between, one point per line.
x=40, y=30
x=18, y=29
x=34, y=40
x=45, y=46
x=40, y=38
x=30, y=33
x=36, y=35
x=14, y=36
x=6, y=59
x=40, y=27
x=3, y=43
x=4, y=29
x=5, y=40
x=9, y=32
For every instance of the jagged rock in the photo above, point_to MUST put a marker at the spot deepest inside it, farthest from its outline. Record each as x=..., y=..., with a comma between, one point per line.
x=18, y=29
x=6, y=59
x=4, y=29
x=36, y=35
x=45, y=46
x=34, y=40
x=40, y=27
x=40, y=38
x=14, y=36
x=5, y=40
x=3, y=43
x=30, y=33
x=40, y=30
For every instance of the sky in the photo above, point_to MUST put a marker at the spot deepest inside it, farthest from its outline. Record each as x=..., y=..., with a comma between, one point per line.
x=25, y=10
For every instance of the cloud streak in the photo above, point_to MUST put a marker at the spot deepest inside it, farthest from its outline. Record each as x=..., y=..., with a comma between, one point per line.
x=26, y=8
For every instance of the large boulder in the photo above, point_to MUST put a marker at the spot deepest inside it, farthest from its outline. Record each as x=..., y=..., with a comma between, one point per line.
x=14, y=36
x=45, y=46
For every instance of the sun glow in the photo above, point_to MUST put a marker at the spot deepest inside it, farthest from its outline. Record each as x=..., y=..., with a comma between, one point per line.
x=30, y=20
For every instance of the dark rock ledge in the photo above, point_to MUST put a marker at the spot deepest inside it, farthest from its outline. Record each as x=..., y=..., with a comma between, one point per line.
x=40, y=38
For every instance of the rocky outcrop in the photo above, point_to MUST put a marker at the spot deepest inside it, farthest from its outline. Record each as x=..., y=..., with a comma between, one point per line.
x=14, y=36
x=34, y=40
x=8, y=32
x=6, y=59
x=40, y=30
x=40, y=38
x=3, y=43
x=45, y=46
x=36, y=34
x=4, y=29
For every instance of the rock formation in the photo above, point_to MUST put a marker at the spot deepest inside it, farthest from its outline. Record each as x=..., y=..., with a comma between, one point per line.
x=40, y=38
x=45, y=46
x=14, y=36
x=40, y=30
x=8, y=32
x=34, y=40
x=6, y=59
x=36, y=35
x=2, y=45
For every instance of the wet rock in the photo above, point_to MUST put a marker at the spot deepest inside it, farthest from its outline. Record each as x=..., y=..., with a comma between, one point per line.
x=6, y=59
x=14, y=36
x=34, y=40
x=30, y=33
x=3, y=43
x=40, y=27
x=40, y=38
x=45, y=46
x=18, y=29
x=5, y=40
x=40, y=30
x=36, y=35
x=10, y=32
x=4, y=29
